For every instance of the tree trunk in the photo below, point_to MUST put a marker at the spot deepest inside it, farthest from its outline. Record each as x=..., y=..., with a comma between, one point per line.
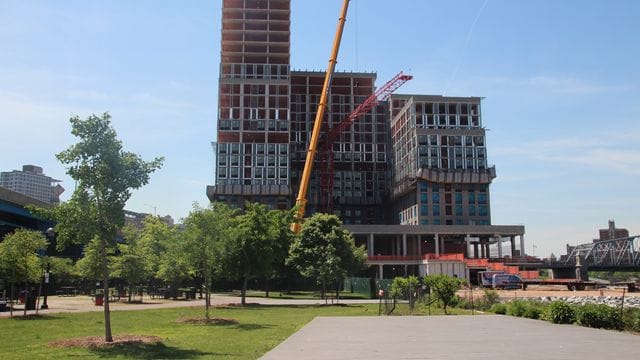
x=105, y=293
x=26, y=296
x=337, y=291
x=207, y=298
x=11, y=305
x=266, y=286
x=324, y=289
x=130, y=290
x=243, y=293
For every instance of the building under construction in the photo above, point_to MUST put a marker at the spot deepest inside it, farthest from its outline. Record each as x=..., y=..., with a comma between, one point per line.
x=415, y=161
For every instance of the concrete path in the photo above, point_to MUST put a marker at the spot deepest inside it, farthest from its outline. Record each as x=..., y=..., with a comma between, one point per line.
x=82, y=303
x=452, y=337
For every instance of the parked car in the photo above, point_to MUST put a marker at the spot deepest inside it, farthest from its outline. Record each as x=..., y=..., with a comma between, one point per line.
x=506, y=281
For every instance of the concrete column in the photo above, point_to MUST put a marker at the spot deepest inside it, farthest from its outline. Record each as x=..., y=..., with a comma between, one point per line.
x=488, y=250
x=482, y=248
x=512, y=240
x=380, y=274
x=436, y=240
x=467, y=243
x=499, y=239
x=522, y=253
x=405, y=271
x=370, y=245
x=442, y=245
x=475, y=250
x=404, y=246
x=420, y=245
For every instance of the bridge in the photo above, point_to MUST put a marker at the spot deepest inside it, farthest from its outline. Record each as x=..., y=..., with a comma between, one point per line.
x=615, y=254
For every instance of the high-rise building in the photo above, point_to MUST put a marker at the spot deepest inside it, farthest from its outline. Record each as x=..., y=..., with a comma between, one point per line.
x=252, y=149
x=410, y=179
x=31, y=181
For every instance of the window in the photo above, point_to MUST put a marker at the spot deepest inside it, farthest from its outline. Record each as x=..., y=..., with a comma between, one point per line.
x=435, y=197
x=424, y=198
x=424, y=210
x=458, y=210
x=435, y=210
x=482, y=210
x=472, y=210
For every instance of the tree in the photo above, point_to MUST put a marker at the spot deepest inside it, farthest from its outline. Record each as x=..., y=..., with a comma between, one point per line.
x=443, y=287
x=18, y=256
x=324, y=251
x=105, y=174
x=404, y=288
x=206, y=231
x=154, y=239
x=250, y=253
x=130, y=264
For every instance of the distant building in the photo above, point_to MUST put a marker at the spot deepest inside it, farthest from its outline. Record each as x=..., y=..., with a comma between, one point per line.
x=137, y=219
x=612, y=233
x=31, y=181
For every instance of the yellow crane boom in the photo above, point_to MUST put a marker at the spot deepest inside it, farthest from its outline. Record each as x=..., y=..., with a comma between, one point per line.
x=301, y=200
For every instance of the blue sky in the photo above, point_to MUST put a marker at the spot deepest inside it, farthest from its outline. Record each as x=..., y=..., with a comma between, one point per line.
x=561, y=81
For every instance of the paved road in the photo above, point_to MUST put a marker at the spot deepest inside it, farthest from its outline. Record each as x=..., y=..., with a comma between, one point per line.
x=452, y=337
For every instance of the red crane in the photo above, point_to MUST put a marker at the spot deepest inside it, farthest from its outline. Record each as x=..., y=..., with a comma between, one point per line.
x=326, y=149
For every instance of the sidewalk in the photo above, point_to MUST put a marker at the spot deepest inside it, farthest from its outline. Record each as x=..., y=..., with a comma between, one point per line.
x=81, y=303
x=451, y=337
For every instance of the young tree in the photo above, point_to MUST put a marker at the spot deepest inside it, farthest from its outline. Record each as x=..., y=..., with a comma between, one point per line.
x=18, y=255
x=250, y=253
x=444, y=287
x=105, y=174
x=206, y=231
x=131, y=264
x=325, y=252
x=154, y=239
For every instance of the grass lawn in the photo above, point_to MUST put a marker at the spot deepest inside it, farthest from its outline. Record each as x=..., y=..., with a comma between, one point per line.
x=259, y=329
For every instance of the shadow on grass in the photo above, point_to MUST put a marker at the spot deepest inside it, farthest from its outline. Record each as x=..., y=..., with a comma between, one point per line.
x=287, y=306
x=150, y=351
x=35, y=317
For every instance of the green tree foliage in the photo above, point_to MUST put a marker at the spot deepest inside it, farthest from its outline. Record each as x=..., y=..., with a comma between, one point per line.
x=131, y=262
x=443, y=287
x=63, y=270
x=153, y=241
x=18, y=256
x=251, y=251
x=204, y=237
x=105, y=174
x=405, y=288
x=324, y=251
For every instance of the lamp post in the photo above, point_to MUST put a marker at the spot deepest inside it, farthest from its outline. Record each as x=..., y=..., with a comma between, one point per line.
x=50, y=235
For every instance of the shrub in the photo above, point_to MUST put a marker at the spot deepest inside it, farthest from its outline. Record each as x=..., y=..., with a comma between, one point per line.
x=533, y=311
x=559, y=312
x=599, y=316
x=491, y=297
x=498, y=308
x=631, y=319
x=516, y=308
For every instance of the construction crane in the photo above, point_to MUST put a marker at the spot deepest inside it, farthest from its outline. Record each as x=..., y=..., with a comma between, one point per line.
x=326, y=154
x=301, y=200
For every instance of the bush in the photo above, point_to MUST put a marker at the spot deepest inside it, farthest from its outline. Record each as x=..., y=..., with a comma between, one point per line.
x=516, y=308
x=631, y=319
x=599, y=316
x=559, y=312
x=490, y=297
x=533, y=311
x=498, y=308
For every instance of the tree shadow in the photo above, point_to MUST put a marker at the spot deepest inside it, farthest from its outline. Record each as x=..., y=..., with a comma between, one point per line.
x=150, y=351
x=249, y=327
x=35, y=317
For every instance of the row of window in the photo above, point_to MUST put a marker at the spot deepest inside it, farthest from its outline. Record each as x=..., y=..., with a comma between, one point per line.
x=247, y=149
x=253, y=173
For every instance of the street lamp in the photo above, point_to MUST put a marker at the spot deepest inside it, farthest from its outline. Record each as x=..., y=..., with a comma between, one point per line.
x=50, y=235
